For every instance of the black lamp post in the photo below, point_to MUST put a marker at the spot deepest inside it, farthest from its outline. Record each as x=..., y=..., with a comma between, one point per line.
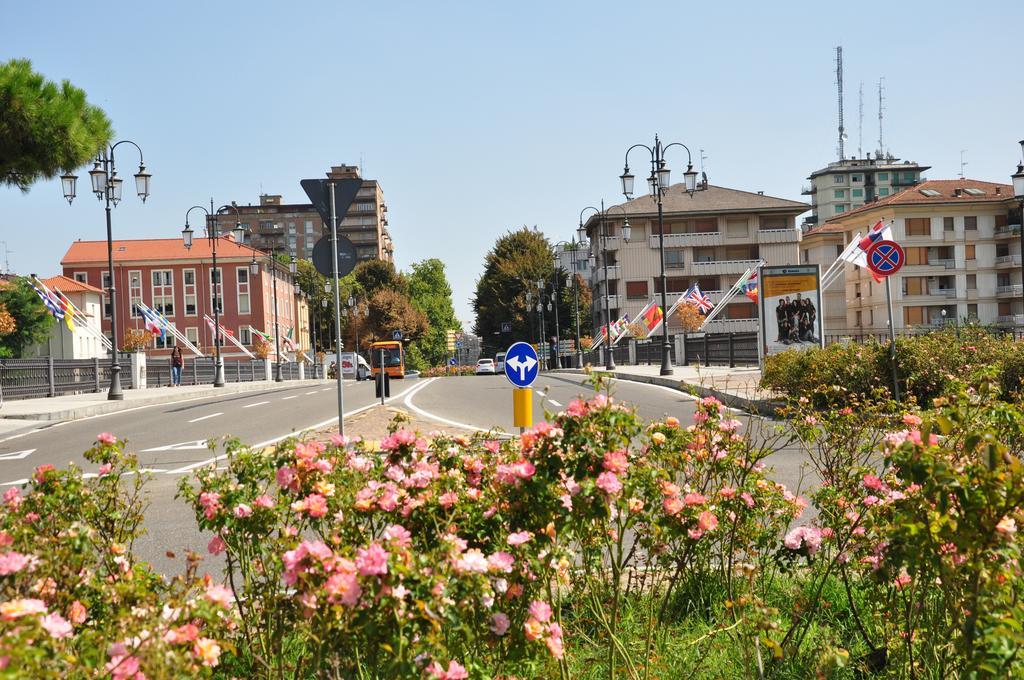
x=1018, y=193
x=107, y=187
x=658, y=182
x=602, y=214
x=573, y=246
x=212, y=226
x=544, y=363
x=529, y=311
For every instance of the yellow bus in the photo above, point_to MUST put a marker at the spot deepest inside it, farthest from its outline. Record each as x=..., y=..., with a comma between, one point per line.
x=391, y=355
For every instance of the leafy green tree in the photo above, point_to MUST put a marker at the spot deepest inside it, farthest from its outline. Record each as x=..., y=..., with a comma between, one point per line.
x=45, y=128
x=373, y=275
x=313, y=283
x=31, y=317
x=391, y=310
x=430, y=293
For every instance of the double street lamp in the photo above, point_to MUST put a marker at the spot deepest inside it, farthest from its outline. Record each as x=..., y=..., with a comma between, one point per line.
x=581, y=231
x=658, y=183
x=573, y=247
x=541, y=293
x=107, y=187
x=1018, y=193
x=216, y=280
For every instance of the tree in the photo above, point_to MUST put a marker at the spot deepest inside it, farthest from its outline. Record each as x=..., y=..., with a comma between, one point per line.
x=313, y=283
x=373, y=275
x=430, y=292
x=32, y=320
x=390, y=310
x=45, y=128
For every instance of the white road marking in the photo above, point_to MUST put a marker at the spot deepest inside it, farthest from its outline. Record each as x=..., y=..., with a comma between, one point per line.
x=314, y=391
x=180, y=446
x=555, y=403
x=17, y=455
x=212, y=415
x=258, y=403
x=22, y=434
x=431, y=416
x=294, y=396
x=16, y=482
x=327, y=389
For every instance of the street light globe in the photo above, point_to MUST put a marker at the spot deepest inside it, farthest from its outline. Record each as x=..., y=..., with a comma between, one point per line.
x=664, y=176
x=68, y=183
x=186, y=236
x=581, y=233
x=254, y=266
x=239, y=232
x=1018, y=182
x=626, y=230
x=142, y=182
x=690, y=176
x=652, y=184
x=627, y=182
x=98, y=177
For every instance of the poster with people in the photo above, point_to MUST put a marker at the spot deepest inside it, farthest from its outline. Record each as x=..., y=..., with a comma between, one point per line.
x=791, y=315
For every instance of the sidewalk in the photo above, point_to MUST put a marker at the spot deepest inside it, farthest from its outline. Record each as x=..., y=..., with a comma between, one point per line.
x=73, y=406
x=735, y=387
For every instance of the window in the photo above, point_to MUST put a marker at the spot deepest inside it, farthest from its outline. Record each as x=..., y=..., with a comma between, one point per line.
x=705, y=226
x=947, y=224
x=166, y=341
x=1002, y=249
x=245, y=335
x=882, y=177
x=638, y=232
x=741, y=310
x=839, y=179
x=883, y=191
x=308, y=226
x=636, y=290
x=913, y=316
x=840, y=193
x=673, y=258
x=972, y=282
x=216, y=290
x=971, y=222
x=163, y=291
x=704, y=254
x=291, y=229
x=737, y=228
x=969, y=255
x=105, y=283
x=909, y=177
x=918, y=226
x=972, y=312
x=860, y=319
x=806, y=256
x=83, y=277
x=242, y=278
x=840, y=209
x=1004, y=309
x=188, y=283
x=855, y=178
x=857, y=193
x=676, y=284
x=856, y=290
x=134, y=292
x=1002, y=280
x=773, y=223
x=192, y=334
x=914, y=285
x=708, y=283
x=917, y=255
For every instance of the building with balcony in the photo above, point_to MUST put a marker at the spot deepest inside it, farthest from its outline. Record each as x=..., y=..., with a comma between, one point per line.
x=848, y=184
x=294, y=228
x=962, y=242
x=567, y=258
x=711, y=238
x=180, y=282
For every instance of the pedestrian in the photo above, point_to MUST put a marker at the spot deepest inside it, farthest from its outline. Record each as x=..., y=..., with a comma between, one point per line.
x=177, y=364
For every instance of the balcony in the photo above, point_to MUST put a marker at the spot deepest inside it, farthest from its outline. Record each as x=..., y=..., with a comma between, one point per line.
x=711, y=238
x=943, y=292
x=1011, y=320
x=779, y=236
x=722, y=267
x=731, y=326
x=948, y=264
x=611, y=242
x=1009, y=291
x=1004, y=261
x=614, y=272
x=808, y=190
x=614, y=302
x=1007, y=231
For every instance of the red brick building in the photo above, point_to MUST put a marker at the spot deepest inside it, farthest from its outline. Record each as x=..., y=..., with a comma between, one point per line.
x=179, y=283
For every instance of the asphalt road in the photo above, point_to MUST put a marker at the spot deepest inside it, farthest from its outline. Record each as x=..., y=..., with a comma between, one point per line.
x=171, y=438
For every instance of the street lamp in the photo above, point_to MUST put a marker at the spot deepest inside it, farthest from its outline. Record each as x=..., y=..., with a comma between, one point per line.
x=658, y=182
x=271, y=268
x=573, y=246
x=212, y=227
x=107, y=187
x=543, y=334
x=1018, y=193
x=602, y=214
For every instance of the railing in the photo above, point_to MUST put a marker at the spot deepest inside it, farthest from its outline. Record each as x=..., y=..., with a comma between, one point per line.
x=1008, y=259
x=1007, y=230
x=1009, y=290
x=947, y=263
x=779, y=235
x=701, y=238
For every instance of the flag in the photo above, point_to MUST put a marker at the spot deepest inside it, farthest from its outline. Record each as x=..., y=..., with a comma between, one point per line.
x=699, y=299
x=289, y=344
x=267, y=337
x=880, y=232
x=750, y=287
x=55, y=307
x=858, y=256
x=69, y=309
x=153, y=324
x=651, y=318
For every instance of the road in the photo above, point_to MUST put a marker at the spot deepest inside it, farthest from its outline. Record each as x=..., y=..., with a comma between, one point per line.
x=171, y=438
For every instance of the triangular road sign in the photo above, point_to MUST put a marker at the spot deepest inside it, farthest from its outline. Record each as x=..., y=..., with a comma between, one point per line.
x=319, y=192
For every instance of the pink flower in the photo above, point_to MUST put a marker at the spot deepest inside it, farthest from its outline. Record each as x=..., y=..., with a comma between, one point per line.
x=372, y=560
x=609, y=483
x=106, y=438
x=216, y=545
x=673, y=505
x=219, y=595
x=902, y=580
x=263, y=501
x=472, y=561
x=447, y=500
x=1006, y=526
x=40, y=473
x=343, y=584
x=748, y=499
x=77, y=612
x=499, y=624
x=873, y=483
x=554, y=641
x=12, y=497
x=911, y=419
x=695, y=532
x=519, y=537
x=207, y=651
x=616, y=461
x=210, y=500
x=123, y=667
x=105, y=469
x=316, y=505
x=501, y=561
x=13, y=562
x=540, y=610
x=398, y=536
x=15, y=609
x=56, y=626
x=694, y=499
x=242, y=510
x=727, y=492
x=707, y=521
x=807, y=537
x=285, y=477
x=455, y=671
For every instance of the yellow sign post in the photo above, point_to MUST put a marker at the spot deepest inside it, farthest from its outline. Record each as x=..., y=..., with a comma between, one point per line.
x=522, y=407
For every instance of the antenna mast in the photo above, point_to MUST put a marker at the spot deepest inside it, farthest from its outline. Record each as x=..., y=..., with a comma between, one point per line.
x=860, y=123
x=962, y=162
x=703, y=158
x=839, y=85
x=881, y=108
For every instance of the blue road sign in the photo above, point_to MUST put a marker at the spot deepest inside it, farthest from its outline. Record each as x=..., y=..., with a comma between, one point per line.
x=451, y=362
x=885, y=258
x=458, y=344
x=396, y=335
x=521, y=364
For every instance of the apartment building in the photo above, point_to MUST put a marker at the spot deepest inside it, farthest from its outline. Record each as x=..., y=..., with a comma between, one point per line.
x=711, y=238
x=578, y=261
x=962, y=240
x=180, y=283
x=294, y=228
x=849, y=184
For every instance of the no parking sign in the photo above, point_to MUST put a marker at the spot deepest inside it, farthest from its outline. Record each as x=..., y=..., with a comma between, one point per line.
x=885, y=258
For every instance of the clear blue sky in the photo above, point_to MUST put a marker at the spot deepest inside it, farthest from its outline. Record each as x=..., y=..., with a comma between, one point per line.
x=479, y=117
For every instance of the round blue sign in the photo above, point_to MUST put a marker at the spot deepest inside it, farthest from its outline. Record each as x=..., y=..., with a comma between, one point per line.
x=521, y=364
x=885, y=258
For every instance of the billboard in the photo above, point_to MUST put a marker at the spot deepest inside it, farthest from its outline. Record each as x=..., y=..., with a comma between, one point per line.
x=791, y=315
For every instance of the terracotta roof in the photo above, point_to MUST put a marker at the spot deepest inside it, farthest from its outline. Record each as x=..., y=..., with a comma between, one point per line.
x=912, y=196
x=155, y=250
x=67, y=285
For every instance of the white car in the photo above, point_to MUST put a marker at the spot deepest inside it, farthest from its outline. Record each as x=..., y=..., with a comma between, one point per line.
x=485, y=367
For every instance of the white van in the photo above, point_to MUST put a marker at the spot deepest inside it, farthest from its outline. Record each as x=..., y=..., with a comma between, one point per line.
x=499, y=362
x=349, y=363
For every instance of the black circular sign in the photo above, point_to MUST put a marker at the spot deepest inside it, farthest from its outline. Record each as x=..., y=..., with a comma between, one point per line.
x=346, y=256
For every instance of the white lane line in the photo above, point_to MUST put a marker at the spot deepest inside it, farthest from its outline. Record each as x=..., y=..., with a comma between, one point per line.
x=555, y=403
x=314, y=391
x=17, y=455
x=23, y=434
x=16, y=482
x=258, y=403
x=327, y=389
x=315, y=426
x=431, y=416
x=212, y=415
x=294, y=396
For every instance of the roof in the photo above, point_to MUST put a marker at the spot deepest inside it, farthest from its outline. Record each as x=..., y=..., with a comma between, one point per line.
x=861, y=165
x=155, y=250
x=943, y=192
x=68, y=285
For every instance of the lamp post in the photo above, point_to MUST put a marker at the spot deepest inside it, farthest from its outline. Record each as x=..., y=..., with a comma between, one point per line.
x=218, y=281
x=107, y=187
x=1018, y=193
x=602, y=214
x=543, y=334
x=658, y=182
x=573, y=246
x=554, y=298
x=529, y=311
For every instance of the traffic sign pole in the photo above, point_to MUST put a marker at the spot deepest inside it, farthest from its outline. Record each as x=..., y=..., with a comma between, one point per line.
x=522, y=407
x=337, y=314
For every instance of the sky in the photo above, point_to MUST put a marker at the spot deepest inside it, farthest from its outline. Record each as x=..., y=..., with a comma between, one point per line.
x=478, y=118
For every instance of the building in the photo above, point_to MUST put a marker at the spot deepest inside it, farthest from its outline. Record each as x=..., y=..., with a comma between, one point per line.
x=711, y=238
x=79, y=343
x=294, y=228
x=567, y=258
x=848, y=184
x=962, y=242
x=179, y=283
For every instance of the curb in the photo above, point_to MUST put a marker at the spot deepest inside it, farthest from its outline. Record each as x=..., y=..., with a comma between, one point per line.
x=763, y=407
x=105, y=407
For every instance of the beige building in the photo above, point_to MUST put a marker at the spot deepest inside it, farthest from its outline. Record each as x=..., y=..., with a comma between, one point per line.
x=711, y=238
x=962, y=241
x=848, y=184
x=294, y=228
